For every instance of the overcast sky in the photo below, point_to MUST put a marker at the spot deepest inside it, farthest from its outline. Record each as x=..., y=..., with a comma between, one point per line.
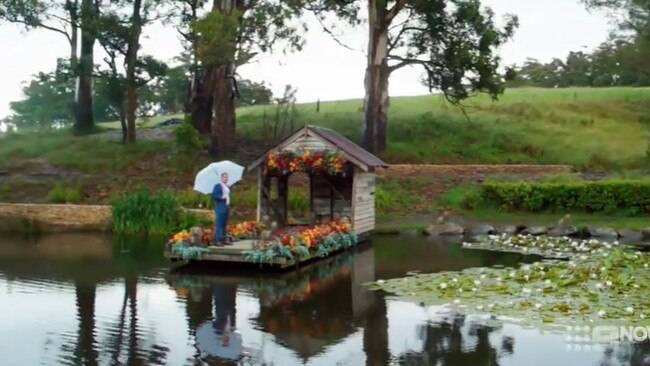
x=324, y=70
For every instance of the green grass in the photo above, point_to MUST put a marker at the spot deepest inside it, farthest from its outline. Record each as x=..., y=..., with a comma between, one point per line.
x=61, y=148
x=65, y=194
x=143, y=212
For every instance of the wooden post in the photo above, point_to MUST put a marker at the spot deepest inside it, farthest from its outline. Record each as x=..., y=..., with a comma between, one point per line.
x=260, y=172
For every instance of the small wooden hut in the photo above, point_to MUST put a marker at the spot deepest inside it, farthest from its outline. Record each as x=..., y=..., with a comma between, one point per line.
x=341, y=183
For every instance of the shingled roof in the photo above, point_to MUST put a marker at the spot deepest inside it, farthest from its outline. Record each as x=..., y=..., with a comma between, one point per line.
x=352, y=151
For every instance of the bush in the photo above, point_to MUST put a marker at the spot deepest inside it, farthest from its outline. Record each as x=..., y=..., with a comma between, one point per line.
x=189, y=220
x=143, y=212
x=64, y=194
x=626, y=196
x=186, y=137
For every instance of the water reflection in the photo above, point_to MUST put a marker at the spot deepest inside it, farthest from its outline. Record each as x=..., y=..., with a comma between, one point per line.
x=93, y=300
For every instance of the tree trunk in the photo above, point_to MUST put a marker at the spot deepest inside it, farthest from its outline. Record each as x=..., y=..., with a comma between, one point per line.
x=200, y=101
x=86, y=352
x=131, y=61
x=74, y=34
x=125, y=129
x=84, y=119
x=376, y=100
x=223, y=126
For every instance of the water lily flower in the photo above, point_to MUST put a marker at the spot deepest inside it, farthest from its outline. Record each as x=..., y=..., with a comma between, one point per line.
x=490, y=306
x=608, y=283
x=538, y=306
x=547, y=282
x=645, y=265
x=479, y=307
x=381, y=282
x=599, y=285
x=512, y=273
x=526, y=290
x=456, y=301
x=642, y=316
x=602, y=313
x=526, y=277
x=482, y=276
x=473, y=289
x=477, y=282
x=443, y=285
x=454, y=280
x=593, y=275
x=629, y=309
x=636, y=285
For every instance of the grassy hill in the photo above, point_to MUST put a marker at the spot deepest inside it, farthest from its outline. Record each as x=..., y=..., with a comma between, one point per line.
x=591, y=129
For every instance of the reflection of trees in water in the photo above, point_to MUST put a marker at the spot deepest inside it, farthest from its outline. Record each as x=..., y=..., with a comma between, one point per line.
x=454, y=342
x=636, y=354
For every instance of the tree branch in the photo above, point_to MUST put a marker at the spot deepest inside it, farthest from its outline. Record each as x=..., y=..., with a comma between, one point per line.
x=392, y=13
x=328, y=31
x=404, y=62
x=39, y=24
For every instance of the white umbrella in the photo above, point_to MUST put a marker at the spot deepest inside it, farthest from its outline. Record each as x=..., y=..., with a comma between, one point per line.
x=210, y=176
x=227, y=345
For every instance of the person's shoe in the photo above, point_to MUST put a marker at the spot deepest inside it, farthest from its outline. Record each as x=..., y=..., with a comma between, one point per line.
x=218, y=244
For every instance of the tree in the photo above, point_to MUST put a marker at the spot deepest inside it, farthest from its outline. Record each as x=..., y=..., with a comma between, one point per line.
x=48, y=98
x=65, y=17
x=454, y=41
x=119, y=34
x=253, y=93
x=232, y=34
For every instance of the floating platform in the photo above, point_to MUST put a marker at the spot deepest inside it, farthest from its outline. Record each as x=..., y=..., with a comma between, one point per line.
x=235, y=256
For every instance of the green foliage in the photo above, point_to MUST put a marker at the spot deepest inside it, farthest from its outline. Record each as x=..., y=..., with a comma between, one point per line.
x=464, y=197
x=186, y=137
x=391, y=196
x=187, y=252
x=628, y=196
x=193, y=199
x=189, y=220
x=65, y=194
x=143, y=212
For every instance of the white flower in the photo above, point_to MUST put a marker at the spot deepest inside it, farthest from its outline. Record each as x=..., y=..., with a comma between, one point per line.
x=645, y=265
x=526, y=277
x=474, y=289
x=608, y=283
x=512, y=273
x=538, y=305
x=547, y=282
x=629, y=309
x=456, y=301
x=490, y=306
x=482, y=276
x=479, y=307
x=642, y=316
x=636, y=285
x=526, y=290
x=603, y=269
x=602, y=313
x=454, y=280
x=499, y=279
x=616, y=242
x=599, y=285
x=443, y=285
x=381, y=282
x=477, y=283
x=593, y=275
x=525, y=268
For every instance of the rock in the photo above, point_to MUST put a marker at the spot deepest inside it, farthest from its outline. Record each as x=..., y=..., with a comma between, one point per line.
x=170, y=122
x=631, y=236
x=646, y=233
x=535, y=231
x=482, y=229
x=510, y=230
x=448, y=229
x=564, y=231
x=605, y=233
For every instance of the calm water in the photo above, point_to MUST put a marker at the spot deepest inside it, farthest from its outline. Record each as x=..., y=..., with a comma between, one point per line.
x=93, y=300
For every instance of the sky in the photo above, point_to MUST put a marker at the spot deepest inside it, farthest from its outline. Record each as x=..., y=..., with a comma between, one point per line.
x=323, y=69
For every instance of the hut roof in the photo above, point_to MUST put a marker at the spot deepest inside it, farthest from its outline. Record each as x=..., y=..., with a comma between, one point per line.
x=353, y=152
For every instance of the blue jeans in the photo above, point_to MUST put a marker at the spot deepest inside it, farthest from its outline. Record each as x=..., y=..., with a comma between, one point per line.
x=221, y=212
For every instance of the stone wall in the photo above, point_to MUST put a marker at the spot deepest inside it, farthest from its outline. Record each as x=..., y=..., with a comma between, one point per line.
x=60, y=218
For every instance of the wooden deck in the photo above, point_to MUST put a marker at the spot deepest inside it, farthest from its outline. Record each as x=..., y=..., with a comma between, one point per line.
x=235, y=254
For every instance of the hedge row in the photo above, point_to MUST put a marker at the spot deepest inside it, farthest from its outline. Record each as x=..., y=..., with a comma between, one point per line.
x=631, y=197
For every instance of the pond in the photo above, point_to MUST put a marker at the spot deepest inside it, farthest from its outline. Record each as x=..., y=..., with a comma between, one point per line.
x=81, y=299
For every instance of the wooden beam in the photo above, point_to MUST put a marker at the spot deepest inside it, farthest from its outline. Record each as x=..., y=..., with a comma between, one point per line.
x=267, y=196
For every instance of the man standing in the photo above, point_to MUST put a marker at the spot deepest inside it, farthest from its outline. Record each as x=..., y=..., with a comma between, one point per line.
x=221, y=197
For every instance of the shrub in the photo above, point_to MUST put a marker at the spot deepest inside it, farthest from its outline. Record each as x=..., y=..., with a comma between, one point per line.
x=65, y=194
x=143, y=212
x=627, y=196
x=190, y=219
x=187, y=138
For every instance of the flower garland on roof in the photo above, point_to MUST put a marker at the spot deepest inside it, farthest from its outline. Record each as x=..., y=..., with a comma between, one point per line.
x=320, y=161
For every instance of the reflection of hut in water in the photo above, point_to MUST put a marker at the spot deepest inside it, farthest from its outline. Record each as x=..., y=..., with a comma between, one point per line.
x=333, y=307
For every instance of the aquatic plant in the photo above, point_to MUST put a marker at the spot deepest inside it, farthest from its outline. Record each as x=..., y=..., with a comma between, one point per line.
x=609, y=286
x=549, y=247
x=145, y=212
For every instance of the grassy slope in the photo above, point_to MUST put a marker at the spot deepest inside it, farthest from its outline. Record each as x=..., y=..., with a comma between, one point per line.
x=588, y=128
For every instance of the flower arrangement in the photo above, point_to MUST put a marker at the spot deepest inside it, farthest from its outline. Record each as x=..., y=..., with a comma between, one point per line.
x=307, y=161
x=303, y=242
x=244, y=230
